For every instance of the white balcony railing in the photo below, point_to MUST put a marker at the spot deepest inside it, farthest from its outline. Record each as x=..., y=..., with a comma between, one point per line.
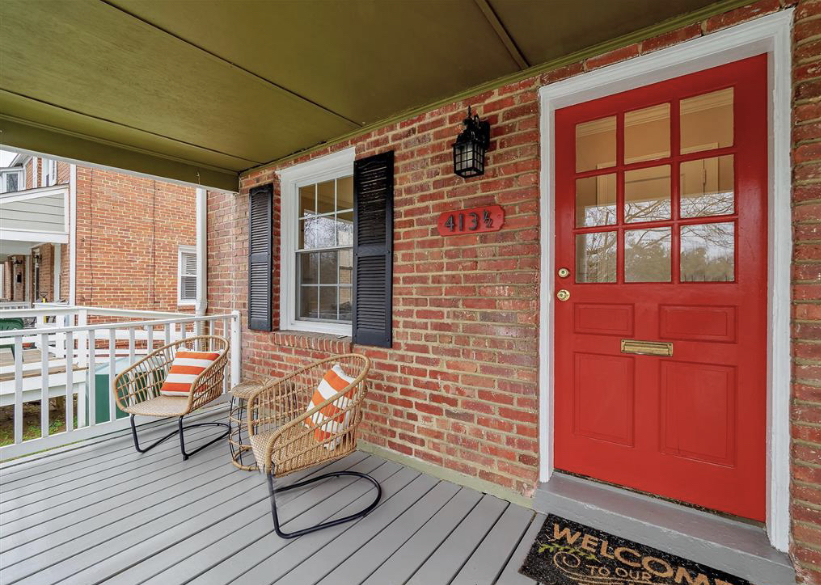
x=76, y=352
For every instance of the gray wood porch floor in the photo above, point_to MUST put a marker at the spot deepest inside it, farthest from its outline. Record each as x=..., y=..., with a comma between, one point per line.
x=106, y=514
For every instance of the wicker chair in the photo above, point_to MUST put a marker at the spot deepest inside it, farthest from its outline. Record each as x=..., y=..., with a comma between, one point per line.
x=283, y=436
x=137, y=389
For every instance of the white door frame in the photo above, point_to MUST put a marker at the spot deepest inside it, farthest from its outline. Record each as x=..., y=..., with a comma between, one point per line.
x=768, y=34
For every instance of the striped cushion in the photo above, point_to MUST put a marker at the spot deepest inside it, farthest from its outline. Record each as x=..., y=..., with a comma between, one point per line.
x=334, y=381
x=185, y=368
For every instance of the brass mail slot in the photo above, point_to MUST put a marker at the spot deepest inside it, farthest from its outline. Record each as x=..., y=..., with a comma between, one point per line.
x=646, y=347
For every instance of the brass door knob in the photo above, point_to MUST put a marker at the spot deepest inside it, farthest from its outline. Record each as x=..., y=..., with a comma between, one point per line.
x=563, y=295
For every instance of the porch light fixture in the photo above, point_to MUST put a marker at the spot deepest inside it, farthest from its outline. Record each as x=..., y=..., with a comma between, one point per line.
x=470, y=147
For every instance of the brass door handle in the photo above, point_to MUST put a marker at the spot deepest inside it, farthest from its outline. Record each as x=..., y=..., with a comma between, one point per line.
x=563, y=295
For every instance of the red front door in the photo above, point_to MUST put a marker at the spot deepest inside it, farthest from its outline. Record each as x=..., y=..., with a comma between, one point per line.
x=661, y=229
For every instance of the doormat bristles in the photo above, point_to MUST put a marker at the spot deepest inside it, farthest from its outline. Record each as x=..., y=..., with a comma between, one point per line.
x=567, y=553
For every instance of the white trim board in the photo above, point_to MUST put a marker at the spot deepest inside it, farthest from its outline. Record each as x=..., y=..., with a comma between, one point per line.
x=331, y=166
x=768, y=34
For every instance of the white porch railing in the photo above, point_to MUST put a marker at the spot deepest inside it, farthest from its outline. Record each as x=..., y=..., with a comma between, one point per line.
x=73, y=354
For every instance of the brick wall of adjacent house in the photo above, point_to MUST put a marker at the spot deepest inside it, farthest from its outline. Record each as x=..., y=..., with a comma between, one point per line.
x=129, y=230
x=459, y=386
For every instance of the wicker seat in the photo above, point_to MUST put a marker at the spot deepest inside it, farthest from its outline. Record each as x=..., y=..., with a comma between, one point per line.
x=137, y=389
x=283, y=435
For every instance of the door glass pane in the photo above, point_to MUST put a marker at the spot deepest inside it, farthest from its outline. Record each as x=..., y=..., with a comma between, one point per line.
x=647, y=194
x=647, y=134
x=708, y=252
x=307, y=200
x=707, y=187
x=596, y=144
x=326, y=196
x=707, y=121
x=327, y=302
x=647, y=255
x=308, y=302
x=596, y=257
x=328, y=267
x=596, y=201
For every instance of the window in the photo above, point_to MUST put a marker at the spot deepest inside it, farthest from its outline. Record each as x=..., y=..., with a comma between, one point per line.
x=11, y=180
x=187, y=276
x=48, y=172
x=317, y=245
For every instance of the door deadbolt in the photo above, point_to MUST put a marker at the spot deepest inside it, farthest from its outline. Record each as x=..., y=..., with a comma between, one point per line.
x=563, y=295
x=564, y=273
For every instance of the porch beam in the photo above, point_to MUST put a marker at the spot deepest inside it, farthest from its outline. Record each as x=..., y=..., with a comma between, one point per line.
x=501, y=32
x=31, y=137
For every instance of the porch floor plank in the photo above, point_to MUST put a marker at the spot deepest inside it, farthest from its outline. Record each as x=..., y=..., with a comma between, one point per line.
x=99, y=512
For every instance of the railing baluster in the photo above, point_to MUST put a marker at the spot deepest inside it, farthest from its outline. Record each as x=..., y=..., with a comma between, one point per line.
x=149, y=344
x=69, y=381
x=182, y=331
x=82, y=347
x=131, y=347
x=91, y=379
x=44, y=390
x=168, y=327
x=18, y=389
x=112, y=373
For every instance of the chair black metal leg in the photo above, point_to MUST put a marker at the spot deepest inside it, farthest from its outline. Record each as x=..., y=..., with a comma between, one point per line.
x=179, y=431
x=201, y=447
x=272, y=492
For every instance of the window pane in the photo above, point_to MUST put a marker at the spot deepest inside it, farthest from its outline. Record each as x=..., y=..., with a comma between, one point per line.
x=647, y=194
x=317, y=232
x=596, y=257
x=345, y=303
x=708, y=252
x=327, y=268
x=707, y=121
x=344, y=193
x=309, y=268
x=325, y=194
x=596, y=144
x=308, y=302
x=307, y=202
x=327, y=302
x=647, y=133
x=647, y=255
x=12, y=182
x=707, y=187
x=345, y=266
x=344, y=229
x=596, y=201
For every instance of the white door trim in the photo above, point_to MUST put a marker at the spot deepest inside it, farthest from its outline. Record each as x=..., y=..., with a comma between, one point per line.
x=768, y=34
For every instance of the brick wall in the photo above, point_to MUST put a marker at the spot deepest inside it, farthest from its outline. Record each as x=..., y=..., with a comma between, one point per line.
x=128, y=233
x=459, y=386
x=806, y=328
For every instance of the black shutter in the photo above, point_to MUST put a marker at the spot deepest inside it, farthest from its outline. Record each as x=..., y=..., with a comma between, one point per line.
x=373, y=250
x=259, y=258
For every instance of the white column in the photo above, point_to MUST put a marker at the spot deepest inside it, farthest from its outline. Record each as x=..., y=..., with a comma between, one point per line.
x=27, y=278
x=202, y=251
x=56, y=259
x=72, y=229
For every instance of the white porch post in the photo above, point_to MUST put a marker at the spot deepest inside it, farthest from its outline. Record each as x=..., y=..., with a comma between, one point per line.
x=236, y=354
x=202, y=252
x=72, y=229
x=27, y=278
x=56, y=261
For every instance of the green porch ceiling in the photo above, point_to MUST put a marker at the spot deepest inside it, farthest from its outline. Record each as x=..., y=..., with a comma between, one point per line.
x=200, y=91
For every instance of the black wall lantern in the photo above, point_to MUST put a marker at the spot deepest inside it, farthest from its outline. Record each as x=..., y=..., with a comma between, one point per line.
x=470, y=147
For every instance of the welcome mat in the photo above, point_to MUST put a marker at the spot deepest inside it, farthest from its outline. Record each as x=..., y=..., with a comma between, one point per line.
x=567, y=553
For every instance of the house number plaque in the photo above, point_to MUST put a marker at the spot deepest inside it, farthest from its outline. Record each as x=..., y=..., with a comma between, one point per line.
x=471, y=221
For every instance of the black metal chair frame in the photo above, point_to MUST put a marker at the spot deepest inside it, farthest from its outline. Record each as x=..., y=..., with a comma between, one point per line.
x=272, y=491
x=179, y=431
x=240, y=412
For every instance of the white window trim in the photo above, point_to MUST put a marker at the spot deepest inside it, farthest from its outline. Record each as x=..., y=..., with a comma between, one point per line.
x=332, y=166
x=180, y=251
x=48, y=164
x=768, y=34
x=21, y=179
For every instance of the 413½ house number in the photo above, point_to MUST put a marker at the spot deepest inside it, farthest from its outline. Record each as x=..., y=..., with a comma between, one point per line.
x=471, y=221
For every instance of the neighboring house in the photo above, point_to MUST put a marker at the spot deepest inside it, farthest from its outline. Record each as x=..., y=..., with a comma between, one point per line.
x=134, y=237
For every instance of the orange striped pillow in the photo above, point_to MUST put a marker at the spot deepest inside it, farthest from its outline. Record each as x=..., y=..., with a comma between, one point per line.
x=334, y=381
x=185, y=368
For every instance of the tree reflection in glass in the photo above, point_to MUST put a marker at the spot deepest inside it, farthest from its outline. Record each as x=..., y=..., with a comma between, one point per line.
x=708, y=252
